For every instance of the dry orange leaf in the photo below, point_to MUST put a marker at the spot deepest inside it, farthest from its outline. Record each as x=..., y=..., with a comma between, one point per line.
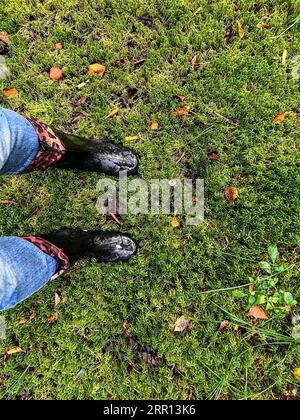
x=181, y=324
x=258, y=313
x=194, y=62
x=21, y=321
x=9, y=92
x=280, y=118
x=32, y=316
x=96, y=69
x=154, y=125
x=116, y=219
x=56, y=73
x=58, y=46
x=241, y=30
x=263, y=25
x=7, y=202
x=181, y=112
x=113, y=113
x=52, y=318
x=213, y=155
x=4, y=37
x=231, y=194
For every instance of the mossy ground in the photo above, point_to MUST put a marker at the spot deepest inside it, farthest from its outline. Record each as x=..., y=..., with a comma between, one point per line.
x=234, y=94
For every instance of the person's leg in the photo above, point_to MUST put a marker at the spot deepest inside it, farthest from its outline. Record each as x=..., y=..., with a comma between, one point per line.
x=19, y=143
x=28, y=263
x=27, y=145
x=24, y=269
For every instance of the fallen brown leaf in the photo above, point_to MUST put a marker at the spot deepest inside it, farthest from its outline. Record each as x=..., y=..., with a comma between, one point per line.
x=280, y=118
x=181, y=324
x=230, y=195
x=113, y=113
x=224, y=324
x=21, y=321
x=9, y=92
x=33, y=315
x=116, y=219
x=125, y=328
x=56, y=73
x=190, y=393
x=194, y=62
x=180, y=98
x=4, y=37
x=36, y=211
x=81, y=101
x=180, y=157
x=96, y=69
x=154, y=125
x=57, y=298
x=229, y=35
x=52, y=319
x=258, y=313
x=213, y=155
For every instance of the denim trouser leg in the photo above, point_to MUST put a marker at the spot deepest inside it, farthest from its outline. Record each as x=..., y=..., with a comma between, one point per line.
x=24, y=269
x=18, y=143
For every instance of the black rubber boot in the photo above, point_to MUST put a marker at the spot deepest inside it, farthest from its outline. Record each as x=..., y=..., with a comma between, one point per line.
x=104, y=246
x=91, y=155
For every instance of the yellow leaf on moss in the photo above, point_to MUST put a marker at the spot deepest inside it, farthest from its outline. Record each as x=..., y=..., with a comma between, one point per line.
x=241, y=30
x=194, y=62
x=264, y=25
x=284, y=56
x=175, y=223
x=113, y=113
x=181, y=324
x=154, y=125
x=132, y=138
x=297, y=373
x=7, y=202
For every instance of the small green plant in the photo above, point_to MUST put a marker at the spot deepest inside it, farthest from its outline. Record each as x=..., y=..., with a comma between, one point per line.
x=264, y=289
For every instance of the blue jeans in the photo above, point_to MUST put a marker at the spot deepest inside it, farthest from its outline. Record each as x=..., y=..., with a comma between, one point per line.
x=18, y=143
x=24, y=268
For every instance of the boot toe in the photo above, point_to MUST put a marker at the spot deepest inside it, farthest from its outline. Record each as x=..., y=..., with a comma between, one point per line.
x=114, y=159
x=127, y=248
x=112, y=247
